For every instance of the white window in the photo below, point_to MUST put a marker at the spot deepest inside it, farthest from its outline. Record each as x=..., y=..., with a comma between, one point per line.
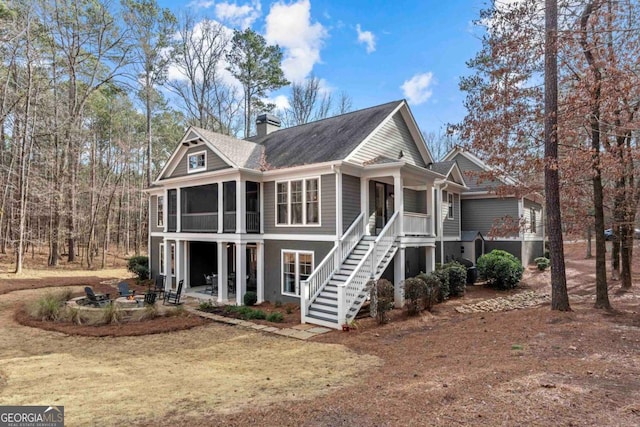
x=161, y=259
x=532, y=216
x=296, y=267
x=197, y=162
x=172, y=259
x=160, y=211
x=298, y=202
x=450, y=205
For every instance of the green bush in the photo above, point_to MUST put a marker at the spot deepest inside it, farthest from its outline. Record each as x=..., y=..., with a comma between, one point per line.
x=139, y=265
x=432, y=290
x=542, y=263
x=501, y=269
x=276, y=317
x=457, y=278
x=414, y=289
x=442, y=274
x=205, y=305
x=382, y=299
x=257, y=314
x=250, y=298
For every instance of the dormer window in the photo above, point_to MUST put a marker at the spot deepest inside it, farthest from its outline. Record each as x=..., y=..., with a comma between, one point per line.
x=197, y=162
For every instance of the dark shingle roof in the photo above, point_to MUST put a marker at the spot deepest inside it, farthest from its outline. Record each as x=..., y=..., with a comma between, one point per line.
x=470, y=236
x=324, y=140
x=443, y=168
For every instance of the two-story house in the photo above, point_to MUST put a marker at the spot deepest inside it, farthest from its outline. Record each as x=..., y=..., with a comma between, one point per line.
x=507, y=221
x=307, y=214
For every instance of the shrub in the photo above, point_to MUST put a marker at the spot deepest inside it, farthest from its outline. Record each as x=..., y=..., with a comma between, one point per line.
x=256, y=314
x=250, y=298
x=457, y=278
x=382, y=299
x=542, y=263
x=111, y=314
x=414, y=289
x=149, y=312
x=431, y=290
x=139, y=265
x=49, y=306
x=205, y=305
x=501, y=269
x=276, y=317
x=442, y=274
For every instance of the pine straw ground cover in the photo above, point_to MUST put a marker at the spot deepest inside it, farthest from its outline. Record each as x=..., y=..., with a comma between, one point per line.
x=519, y=367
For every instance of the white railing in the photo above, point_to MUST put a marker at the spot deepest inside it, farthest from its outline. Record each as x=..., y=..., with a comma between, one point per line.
x=312, y=287
x=416, y=224
x=199, y=222
x=349, y=292
x=253, y=222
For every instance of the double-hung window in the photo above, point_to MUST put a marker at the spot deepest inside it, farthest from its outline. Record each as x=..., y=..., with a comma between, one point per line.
x=298, y=202
x=296, y=268
x=172, y=260
x=450, y=205
x=197, y=162
x=160, y=211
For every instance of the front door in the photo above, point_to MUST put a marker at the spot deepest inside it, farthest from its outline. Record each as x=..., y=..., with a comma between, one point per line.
x=383, y=205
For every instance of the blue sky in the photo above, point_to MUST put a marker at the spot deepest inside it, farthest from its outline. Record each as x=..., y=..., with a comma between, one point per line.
x=376, y=51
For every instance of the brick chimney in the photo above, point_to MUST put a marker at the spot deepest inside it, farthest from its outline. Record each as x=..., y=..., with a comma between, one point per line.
x=267, y=123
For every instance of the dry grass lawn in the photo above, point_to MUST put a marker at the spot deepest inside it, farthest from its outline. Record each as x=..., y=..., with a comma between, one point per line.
x=199, y=372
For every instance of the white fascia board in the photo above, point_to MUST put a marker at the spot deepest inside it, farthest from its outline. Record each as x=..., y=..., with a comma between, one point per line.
x=301, y=171
x=416, y=134
x=201, y=178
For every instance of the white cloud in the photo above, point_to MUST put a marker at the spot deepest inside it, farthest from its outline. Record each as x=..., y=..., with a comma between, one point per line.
x=281, y=102
x=239, y=16
x=367, y=38
x=417, y=89
x=200, y=4
x=290, y=26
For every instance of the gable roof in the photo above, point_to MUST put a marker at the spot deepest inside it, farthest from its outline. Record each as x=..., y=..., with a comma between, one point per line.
x=474, y=182
x=325, y=140
x=239, y=152
x=450, y=170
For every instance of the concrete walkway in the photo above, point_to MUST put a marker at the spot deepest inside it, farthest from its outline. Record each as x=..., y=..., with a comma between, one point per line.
x=300, y=332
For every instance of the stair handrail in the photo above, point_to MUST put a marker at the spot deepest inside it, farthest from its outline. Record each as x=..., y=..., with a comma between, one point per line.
x=313, y=285
x=366, y=268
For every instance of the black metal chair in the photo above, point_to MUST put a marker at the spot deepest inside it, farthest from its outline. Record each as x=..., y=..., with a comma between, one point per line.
x=172, y=297
x=150, y=298
x=97, y=300
x=158, y=288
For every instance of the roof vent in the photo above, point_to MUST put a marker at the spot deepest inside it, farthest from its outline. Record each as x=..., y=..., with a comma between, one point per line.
x=267, y=123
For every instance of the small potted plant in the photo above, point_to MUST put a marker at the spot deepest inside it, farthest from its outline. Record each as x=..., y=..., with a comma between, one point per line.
x=345, y=327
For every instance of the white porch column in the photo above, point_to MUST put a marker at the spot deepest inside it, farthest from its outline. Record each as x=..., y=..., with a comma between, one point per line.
x=241, y=206
x=222, y=272
x=241, y=272
x=178, y=211
x=398, y=191
x=165, y=212
x=220, y=208
x=178, y=262
x=431, y=210
x=260, y=271
x=261, y=186
x=398, y=278
x=339, y=230
x=167, y=263
x=364, y=203
x=430, y=262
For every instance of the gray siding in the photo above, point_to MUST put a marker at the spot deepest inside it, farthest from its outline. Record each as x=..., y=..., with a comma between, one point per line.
x=451, y=227
x=514, y=247
x=153, y=215
x=482, y=214
x=327, y=209
x=532, y=250
x=452, y=251
x=154, y=256
x=350, y=200
x=473, y=180
x=273, y=264
x=214, y=162
x=415, y=201
x=528, y=206
x=388, y=141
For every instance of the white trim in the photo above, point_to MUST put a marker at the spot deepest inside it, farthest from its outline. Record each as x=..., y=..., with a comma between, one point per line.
x=304, y=202
x=300, y=237
x=296, y=269
x=198, y=168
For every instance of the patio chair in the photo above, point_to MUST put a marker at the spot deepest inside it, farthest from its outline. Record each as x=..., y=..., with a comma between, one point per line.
x=97, y=300
x=123, y=289
x=158, y=289
x=150, y=298
x=211, y=282
x=173, y=297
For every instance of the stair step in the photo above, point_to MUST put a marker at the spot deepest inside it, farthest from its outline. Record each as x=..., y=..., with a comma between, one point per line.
x=327, y=313
x=324, y=318
x=326, y=300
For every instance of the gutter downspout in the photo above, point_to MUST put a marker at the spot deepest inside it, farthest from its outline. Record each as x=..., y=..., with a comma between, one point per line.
x=442, y=185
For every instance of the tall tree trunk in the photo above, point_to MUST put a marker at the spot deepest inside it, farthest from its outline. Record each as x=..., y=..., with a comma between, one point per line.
x=589, y=255
x=559, y=295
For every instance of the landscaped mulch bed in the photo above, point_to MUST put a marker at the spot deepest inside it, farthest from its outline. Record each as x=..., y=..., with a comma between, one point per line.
x=290, y=314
